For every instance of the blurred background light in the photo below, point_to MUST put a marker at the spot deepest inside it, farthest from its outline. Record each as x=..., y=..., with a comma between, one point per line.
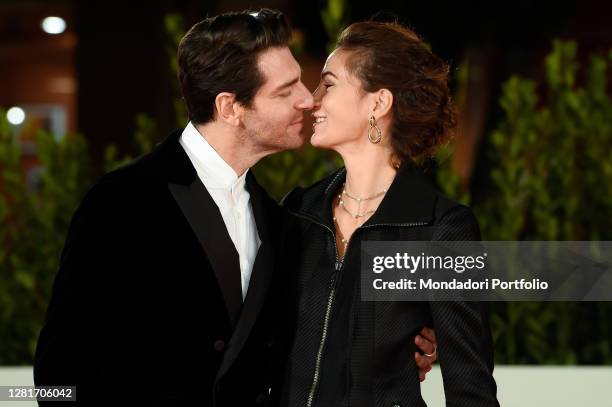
x=15, y=115
x=53, y=25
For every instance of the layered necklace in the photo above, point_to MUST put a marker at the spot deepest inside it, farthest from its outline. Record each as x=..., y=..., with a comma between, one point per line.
x=354, y=215
x=358, y=214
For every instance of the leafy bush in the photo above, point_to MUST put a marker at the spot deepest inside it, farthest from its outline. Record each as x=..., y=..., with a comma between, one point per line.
x=552, y=180
x=33, y=227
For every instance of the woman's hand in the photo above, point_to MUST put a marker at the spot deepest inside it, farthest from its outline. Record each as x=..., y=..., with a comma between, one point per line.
x=426, y=341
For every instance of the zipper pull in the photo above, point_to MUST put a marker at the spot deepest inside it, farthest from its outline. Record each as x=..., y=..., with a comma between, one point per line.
x=338, y=265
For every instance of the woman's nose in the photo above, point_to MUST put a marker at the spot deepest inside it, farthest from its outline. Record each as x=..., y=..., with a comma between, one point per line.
x=318, y=94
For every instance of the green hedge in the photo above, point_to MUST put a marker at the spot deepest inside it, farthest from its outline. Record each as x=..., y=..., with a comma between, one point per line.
x=551, y=180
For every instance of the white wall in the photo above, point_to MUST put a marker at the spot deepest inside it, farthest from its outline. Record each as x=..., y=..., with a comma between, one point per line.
x=517, y=386
x=538, y=386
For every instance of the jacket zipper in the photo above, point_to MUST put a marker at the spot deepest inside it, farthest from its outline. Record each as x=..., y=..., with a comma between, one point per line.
x=319, y=358
x=330, y=299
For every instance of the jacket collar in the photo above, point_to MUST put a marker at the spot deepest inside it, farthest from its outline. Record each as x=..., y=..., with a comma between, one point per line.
x=176, y=166
x=178, y=169
x=411, y=198
x=210, y=166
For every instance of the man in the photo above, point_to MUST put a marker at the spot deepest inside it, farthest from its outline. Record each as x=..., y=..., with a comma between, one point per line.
x=164, y=290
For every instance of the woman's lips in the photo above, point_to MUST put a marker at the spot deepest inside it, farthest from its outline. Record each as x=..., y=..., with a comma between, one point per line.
x=315, y=123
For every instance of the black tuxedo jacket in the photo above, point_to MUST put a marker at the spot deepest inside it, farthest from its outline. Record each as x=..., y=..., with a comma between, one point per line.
x=147, y=302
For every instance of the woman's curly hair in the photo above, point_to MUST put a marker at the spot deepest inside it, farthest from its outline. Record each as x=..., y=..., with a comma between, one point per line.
x=391, y=56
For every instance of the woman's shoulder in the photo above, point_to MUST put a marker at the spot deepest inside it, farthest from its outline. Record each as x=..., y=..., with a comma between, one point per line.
x=301, y=197
x=454, y=221
x=451, y=219
x=446, y=206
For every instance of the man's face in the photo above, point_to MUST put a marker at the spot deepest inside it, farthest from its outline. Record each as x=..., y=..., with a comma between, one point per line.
x=274, y=123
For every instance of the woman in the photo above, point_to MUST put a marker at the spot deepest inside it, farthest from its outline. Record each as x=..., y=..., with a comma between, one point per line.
x=383, y=101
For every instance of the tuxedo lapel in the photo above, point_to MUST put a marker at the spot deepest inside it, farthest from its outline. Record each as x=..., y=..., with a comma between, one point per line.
x=260, y=276
x=207, y=223
x=205, y=220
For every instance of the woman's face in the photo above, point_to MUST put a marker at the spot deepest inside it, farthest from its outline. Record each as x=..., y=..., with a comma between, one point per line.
x=341, y=108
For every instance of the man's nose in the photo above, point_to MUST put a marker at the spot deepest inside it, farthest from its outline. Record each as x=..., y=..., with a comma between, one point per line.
x=306, y=100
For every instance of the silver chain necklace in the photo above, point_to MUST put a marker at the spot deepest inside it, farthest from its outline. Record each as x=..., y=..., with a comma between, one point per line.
x=358, y=214
x=377, y=195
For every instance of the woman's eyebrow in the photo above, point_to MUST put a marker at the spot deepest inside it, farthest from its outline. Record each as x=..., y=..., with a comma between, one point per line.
x=325, y=73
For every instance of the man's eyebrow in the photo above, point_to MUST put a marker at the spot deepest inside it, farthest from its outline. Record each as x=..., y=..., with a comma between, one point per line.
x=290, y=82
x=287, y=84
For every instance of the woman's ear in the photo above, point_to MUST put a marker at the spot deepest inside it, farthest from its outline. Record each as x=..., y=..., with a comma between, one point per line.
x=383, y=103
x=227, y=109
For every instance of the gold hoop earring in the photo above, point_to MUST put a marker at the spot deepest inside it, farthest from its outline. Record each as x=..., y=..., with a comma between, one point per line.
x=372, y=123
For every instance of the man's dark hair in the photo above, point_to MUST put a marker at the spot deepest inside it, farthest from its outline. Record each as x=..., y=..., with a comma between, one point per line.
x=219, y=54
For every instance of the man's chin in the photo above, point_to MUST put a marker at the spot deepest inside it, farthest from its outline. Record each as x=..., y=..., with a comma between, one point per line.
x=295, y=142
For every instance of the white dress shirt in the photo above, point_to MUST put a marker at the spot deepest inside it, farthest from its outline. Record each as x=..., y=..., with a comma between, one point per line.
x=229, y=192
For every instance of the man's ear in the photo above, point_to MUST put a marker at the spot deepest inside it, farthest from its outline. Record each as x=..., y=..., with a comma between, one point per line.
x=227, y=110
x=383, y=102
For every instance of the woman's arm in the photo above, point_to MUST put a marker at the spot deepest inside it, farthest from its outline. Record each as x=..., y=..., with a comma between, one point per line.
x=462, y=329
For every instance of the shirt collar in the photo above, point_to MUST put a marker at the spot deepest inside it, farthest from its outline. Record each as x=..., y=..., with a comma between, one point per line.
x=208, y=163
